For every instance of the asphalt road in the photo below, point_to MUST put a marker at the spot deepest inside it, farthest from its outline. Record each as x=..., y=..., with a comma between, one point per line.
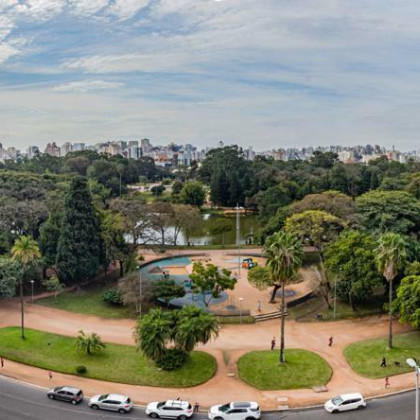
x=25, y=402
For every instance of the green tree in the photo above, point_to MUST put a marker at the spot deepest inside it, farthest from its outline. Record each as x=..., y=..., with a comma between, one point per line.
x=89, y=344
x=317, y=228
x=351, y=260
x=167, y=289
x=26, y=252
x=161, y=333
x=52, y=284
x=48, y=241
x=210, y=281
x=284, y=257
x=9, y=275
x=407, y=303
x=177, y=187
x=80, y=247
x=391, y=255
x=270, y=200
x=393, y=211
x=193, y=193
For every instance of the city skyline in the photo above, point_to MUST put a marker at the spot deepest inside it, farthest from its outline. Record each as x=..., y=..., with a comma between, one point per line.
x=271, y=73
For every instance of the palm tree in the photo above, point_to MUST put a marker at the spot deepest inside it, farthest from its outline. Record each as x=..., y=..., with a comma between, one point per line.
x=284, y=257
x=89, y=343
x=391, y=254
x=26, y=251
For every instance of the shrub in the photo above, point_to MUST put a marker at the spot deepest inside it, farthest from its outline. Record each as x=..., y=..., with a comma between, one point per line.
x=172, y=359
x=113, y=297
x=81, y=370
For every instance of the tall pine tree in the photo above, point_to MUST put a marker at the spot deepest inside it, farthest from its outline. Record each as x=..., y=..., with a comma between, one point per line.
x=80, y=247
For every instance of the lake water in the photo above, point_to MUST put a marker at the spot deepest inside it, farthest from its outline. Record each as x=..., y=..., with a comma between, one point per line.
x=248, y=229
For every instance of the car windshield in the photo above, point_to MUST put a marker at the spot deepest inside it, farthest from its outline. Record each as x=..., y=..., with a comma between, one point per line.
x=224, y=408
x=161, y=404
x=102, y=397
x=337, y=400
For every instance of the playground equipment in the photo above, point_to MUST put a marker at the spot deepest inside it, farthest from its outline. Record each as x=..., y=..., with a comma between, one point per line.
x=249, y=263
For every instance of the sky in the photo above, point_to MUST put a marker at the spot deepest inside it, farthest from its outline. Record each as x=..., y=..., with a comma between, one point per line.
x=261, y=73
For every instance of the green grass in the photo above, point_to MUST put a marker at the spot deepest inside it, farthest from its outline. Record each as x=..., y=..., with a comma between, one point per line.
x=303, y=369
x=88, y=302
x=307, y=311
x=365, y=356
x=116, y=363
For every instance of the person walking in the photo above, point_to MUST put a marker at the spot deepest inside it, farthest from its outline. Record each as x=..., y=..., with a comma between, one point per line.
x=383, y=363
x=196, y=407
x=259, y=306
x=2, y=361
x=330, y=341
x=387, y=384
x=273, y=343
x=50, y=375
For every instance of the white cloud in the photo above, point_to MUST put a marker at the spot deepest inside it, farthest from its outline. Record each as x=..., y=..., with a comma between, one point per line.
x=7, y=51
x=126, y=9
x=87, y=7
x=42, y=10
x=87, y=85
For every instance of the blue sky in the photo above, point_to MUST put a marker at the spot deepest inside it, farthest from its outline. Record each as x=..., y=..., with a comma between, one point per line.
x=266, y=73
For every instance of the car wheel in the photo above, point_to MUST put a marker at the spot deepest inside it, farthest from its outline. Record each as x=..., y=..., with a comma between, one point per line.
x=154, y=415
x=74, y=402
x=122, y=411
x=250, y=418
x=94, y=407
x=218, y=418
x=335, y=411
x=51, y=397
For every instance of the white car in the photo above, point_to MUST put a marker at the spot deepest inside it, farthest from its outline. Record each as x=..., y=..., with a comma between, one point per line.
x=345, y=402
x=171, y=409
x=111, y=402
x=244, y=410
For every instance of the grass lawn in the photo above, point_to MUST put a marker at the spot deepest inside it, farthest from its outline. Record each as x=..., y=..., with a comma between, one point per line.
x=303, y=369
x=307, y=311
x=88, y=301
x=116, y=363
x=365, y=356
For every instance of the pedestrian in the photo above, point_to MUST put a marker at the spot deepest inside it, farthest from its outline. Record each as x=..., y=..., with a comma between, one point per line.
x=196, y=407
x=259, y=306
x=387, y=384
x=330, y=341
x=273, y=343
x=50, y=376
x=2, y=361
x=383, y=363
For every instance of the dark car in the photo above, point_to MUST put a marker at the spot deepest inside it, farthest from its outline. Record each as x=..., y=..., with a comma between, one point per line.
x=66, y=393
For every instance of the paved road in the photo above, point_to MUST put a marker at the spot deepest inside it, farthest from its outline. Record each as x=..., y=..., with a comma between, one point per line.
x=25, y=402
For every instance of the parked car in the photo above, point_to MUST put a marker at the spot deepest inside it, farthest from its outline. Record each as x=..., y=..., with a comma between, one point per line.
x=244, y=410
x=345, y=402
x=172, y=409
x=111, y=402
x=66, y=393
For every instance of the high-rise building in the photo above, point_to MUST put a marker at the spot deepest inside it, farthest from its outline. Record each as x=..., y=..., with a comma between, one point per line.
x=77, y=147
x=52, y=149
x=65, y=149
x=134, y=152
x=145, y=145
x=32, y=151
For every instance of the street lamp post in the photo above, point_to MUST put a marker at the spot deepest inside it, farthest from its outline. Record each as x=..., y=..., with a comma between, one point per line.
x=32, y=291
x=412, y=363
x=140, y=290
x=238, y=236
x=240, y=309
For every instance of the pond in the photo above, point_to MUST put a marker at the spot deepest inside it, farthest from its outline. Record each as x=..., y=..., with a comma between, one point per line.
x=249, y=228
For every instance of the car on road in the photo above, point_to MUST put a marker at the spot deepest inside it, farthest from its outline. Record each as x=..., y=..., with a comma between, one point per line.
x=111, y=402
x=345, y=402
x=66, y=393
x=171, y=409
x=241, y=410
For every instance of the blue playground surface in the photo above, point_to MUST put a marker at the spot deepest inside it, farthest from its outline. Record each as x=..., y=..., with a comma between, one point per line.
x=154, y=271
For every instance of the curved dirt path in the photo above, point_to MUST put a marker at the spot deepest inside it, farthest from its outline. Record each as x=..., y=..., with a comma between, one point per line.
x=233, y=341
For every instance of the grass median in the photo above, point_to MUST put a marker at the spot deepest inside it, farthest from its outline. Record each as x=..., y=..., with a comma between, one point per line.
x=116, y=363
x=303, y=369
x=365, y=357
